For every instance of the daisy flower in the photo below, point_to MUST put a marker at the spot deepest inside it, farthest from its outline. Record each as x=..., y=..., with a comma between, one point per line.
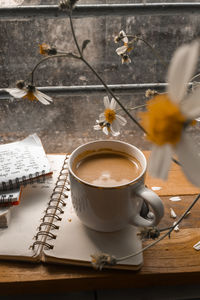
x=109, y=121
x=30, y=92
x=169, y=114
x=125, y=58
x=127, y=47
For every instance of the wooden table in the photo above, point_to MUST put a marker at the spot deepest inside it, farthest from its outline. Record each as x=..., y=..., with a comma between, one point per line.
x=171, y=262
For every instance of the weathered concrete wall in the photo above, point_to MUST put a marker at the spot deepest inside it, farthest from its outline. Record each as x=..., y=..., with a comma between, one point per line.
x=68, y=121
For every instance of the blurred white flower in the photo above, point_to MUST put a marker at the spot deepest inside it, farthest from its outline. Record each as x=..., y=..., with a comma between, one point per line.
x=31, y=93
x=109, y=121
x=169, y=114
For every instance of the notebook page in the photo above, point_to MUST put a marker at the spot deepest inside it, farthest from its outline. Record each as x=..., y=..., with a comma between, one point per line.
x=75, y=242
x=25, y=218
x=22, y=158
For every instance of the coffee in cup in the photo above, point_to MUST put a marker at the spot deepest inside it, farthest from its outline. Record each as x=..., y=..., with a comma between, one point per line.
x=106, y=168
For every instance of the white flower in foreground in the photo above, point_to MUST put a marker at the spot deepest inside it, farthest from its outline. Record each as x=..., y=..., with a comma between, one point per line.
x=109, y=121
x=169, y=114
x=127, y=47
x=31, y=93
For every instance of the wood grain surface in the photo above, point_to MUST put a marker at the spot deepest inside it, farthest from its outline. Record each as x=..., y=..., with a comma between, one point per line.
x=173, y=261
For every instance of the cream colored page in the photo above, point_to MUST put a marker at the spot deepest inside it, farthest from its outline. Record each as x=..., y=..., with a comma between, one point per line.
x=26, y=217
x=76, y=242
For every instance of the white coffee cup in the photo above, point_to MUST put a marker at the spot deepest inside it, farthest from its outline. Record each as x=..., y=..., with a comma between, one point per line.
x=109, y=209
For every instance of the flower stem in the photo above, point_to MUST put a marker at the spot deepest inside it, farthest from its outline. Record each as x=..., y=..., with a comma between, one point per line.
x=154, y=51
x=99, y=77
x=46, y=58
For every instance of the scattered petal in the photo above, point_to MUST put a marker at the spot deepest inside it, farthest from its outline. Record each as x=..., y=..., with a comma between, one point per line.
x=172, y=213
x=175, y=198
x=156, y=188
x=176, y=228
x=197, y=246
x=187, y=214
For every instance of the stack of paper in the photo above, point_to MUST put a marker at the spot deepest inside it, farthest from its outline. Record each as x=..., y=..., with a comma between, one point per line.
x=4, y=217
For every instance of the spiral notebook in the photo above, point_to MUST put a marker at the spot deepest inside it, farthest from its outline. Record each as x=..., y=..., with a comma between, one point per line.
x=44, y=227
x=21, y=162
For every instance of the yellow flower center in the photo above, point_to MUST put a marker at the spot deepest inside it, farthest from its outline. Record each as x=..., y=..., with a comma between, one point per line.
x=30, y=96
x=163, y=121
x=110, y=115
x=43, y=49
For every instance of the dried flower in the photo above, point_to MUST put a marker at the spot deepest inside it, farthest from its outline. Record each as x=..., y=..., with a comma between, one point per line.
x=120, y=37
x=168, y=115
x=20, y=84
x=67, y=4
x=100, y=260
x=127, y=47
x=149, y=233
x=125, y=58
x=150, y=93
x=31, y=93
x=47, y=50
x=109, y=121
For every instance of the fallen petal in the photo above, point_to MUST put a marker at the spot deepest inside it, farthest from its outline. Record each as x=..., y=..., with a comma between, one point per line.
x=175, y=198
x=172, y=213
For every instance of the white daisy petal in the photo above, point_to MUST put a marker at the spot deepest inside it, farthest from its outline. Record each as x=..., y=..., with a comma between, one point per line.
x=102, y=118
x=44, y=96
x=122, y=121
x=181, y=70
x=113, y=104
x=159, y=161
x=125, y=39
x=106, y=102
x=17, y=93
x=121, y=50
x=40, y=98
x=191, y=106
x=105, y=130
x=189, y=158
x=97, y=127
x=115, y=126
x=114, y=133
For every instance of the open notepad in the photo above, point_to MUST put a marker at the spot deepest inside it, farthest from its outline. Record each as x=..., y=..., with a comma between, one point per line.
x=45, y=228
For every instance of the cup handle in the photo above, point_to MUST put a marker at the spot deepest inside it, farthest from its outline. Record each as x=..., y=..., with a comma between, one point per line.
x=154, y=201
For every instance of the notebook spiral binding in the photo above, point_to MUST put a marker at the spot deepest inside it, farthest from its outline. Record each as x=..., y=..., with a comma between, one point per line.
x=24, y=180
x=53, y=210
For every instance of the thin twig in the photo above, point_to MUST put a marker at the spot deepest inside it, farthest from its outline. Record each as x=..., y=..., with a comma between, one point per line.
x=49, y=57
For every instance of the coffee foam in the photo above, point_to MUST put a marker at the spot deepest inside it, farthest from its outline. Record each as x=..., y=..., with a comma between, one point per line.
x=106, y=168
